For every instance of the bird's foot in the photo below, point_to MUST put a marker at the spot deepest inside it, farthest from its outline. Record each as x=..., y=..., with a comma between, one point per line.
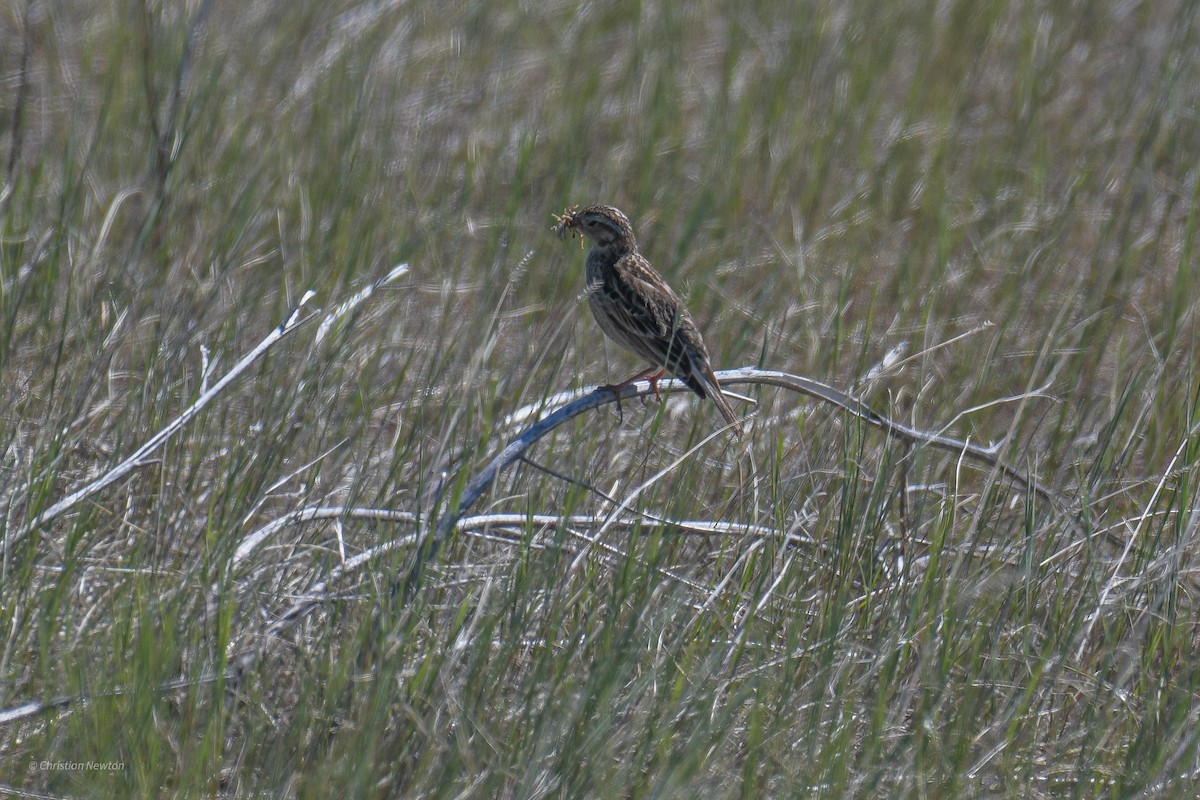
x=653, y=375
x=615, y=388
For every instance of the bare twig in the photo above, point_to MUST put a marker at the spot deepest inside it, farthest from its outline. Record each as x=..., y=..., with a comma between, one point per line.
x=256, y=539
x=288, y=326
x=576, y=405
x=138, y=458
x=36, y=708
x=427, y=545
x=251, y=542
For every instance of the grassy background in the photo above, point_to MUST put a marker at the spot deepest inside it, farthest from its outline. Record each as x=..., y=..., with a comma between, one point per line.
x=823, y=181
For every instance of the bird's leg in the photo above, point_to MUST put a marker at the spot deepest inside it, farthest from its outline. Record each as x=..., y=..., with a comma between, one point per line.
x=654, y=381
x=653, y=374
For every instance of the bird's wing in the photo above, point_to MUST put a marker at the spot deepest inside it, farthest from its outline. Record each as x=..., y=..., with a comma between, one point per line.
x=646, y=293
x=670, y=337
x=659, y=328
x=645, y=308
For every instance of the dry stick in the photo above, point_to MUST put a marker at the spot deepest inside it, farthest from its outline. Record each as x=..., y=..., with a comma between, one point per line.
x=897, y=430
x=38, y=707
x=288, y=326
x=746, y=375
x=256, y=539
x=156, y=441
x=259, y=537
x=319, y=593
x=480, y=483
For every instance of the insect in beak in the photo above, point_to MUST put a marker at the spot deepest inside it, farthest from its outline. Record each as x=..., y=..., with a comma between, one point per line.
x=565, y=223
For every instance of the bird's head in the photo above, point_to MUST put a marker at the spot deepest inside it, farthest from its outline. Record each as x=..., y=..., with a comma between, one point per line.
x=604, y=225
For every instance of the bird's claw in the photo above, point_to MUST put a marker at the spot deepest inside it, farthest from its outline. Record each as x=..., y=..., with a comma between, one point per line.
x=615, y=388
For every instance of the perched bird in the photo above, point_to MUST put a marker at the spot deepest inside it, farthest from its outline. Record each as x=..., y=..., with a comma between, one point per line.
x=635, y=306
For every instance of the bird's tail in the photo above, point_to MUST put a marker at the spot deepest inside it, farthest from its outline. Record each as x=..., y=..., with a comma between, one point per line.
x=712, y=388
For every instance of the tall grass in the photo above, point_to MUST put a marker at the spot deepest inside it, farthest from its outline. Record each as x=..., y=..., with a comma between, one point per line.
x=1005, y=190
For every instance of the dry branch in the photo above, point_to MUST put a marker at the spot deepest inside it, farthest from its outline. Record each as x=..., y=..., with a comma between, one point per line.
x=293, y=322
x=576, y=405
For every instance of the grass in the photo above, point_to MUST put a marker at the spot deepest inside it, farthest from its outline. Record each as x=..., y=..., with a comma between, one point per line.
x=1004, y=190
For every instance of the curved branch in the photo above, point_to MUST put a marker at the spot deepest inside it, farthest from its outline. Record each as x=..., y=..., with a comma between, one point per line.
x=897, y=430
x=731, y=377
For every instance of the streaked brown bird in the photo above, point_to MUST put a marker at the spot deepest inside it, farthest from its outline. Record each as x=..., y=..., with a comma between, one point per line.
x=636, y=308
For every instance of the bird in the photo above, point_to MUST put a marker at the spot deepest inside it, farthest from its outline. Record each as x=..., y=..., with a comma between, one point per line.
x=636, y=308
